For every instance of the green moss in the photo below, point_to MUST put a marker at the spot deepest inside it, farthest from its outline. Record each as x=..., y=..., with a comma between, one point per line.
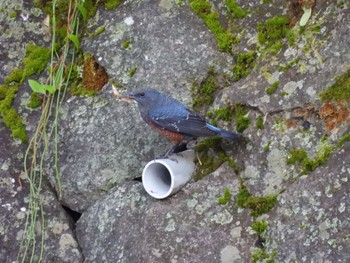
x=223, y=200
x=267, y=1
x=257, y=205
x=203, y=93
x=345, y=138
x=126, y=44
x=7, y=95
x=111, y=4
x=272, y=89
x=234, y=9
x=244, y=64
x=16, y=76
x=296, y=156
x=260, y=255
x=210, y=157
x=274, y=48
x=14, y=122
x=273, y=30
x=203, y=9
x=340, y=90
x=288, y=66
x=79, y=90
x=242, y=123
x=34, y=62
x=291, y=38
x=132, y=71
x=299, y=157
x=266, y=148
x=260, y=227
x=35, y=101
x=98, y=31
x=259, y=122
x=36, y=59
x=233, y=112
x=13, y=14
x=179, y=3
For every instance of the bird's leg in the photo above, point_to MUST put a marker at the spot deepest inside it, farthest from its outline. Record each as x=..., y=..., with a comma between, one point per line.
x=176, y=149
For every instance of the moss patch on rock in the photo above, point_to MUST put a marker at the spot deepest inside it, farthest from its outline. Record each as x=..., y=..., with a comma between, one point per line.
x=272, y=32
x=34, y=101
x=258, y=205
x=300, y=157
x=234, y=9
x=203, y=9
x=340, y=90
x=203, y=93
x=273, y=88
x=234, y=111
x=223, y=200
x=210, y=157
x=34, y=62
x=244, y=64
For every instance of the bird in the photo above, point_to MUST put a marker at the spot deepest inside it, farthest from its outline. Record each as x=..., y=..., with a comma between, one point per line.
x=174, y=120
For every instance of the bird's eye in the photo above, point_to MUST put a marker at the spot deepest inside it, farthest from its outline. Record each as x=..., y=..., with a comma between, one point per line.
x=142, y=94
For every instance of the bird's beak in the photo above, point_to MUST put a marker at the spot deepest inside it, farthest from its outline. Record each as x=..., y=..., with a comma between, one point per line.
x=126, y=97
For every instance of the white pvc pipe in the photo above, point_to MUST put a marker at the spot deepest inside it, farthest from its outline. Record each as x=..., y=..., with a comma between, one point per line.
x=164, y=177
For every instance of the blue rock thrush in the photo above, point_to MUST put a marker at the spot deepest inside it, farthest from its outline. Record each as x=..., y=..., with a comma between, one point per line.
x=174, y=120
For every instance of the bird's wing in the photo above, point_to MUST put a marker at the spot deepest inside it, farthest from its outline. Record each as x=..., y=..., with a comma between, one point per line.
x=181, y=120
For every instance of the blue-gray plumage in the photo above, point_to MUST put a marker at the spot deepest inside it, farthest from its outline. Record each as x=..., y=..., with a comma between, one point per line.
x=172, y=119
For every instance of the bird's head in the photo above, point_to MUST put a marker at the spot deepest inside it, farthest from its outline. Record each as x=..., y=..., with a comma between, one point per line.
x=144, y=97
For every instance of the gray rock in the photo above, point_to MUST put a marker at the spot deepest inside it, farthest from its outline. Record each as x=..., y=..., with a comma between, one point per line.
x=103, y=143
x=60, y=242
x=312, y=222
x=130, y=226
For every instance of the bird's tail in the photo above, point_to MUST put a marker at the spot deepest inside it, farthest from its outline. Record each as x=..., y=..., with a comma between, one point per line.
x=230, y=135
x=224, y=134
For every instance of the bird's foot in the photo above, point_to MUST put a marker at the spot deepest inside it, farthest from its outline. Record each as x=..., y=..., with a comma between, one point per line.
x=175, y=149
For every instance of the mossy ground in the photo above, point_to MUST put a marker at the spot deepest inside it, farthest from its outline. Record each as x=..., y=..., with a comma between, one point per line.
x=257, y=205
x=260, y=255
x=34, y=101
x=132, y=71
x=210, y=157
x=244, y=64
x=34, y=62
x=235, y=10
x=203, y=9
x=340, y=90
x=259, y=122
x=98, y=31
x=273, y=30
x=260, y=227
x=273, y=88
x=299, y=157
x=223, y=200
x=203, y=93
x=234, y=111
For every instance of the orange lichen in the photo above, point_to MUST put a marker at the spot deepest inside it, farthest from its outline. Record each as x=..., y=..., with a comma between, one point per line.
x=94, y=75
x=334, y=114
x=291, y=123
